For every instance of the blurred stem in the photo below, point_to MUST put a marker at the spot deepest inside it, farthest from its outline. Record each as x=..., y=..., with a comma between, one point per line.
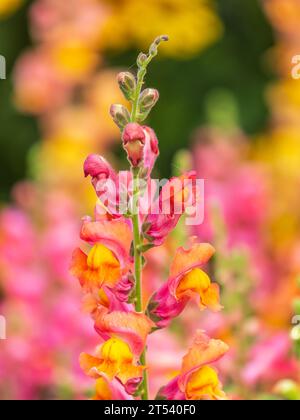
x=140, y=81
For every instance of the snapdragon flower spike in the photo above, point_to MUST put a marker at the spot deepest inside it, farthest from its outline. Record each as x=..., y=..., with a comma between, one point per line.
x=187, y=281
x=172, y=202
x=115, y=360
x=141, y=145
x=198, y=380
x=110, y=273
x=108, y=260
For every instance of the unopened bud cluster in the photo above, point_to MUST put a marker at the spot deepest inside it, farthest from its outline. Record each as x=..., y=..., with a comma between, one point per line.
x=142, y=102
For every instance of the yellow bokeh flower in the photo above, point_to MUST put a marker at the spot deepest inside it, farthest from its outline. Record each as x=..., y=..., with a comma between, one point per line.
x=192, y=25
x=280, y=154
x=9, y=6
x=73, y=59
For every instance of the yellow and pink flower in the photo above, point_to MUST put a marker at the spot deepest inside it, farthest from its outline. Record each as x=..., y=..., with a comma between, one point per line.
x=114, y=360
x=198, y=379
x=108, y=261
x=186, y=281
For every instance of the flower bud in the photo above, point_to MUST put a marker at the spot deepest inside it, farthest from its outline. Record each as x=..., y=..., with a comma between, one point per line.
x=96, y=165
x=154, y=47
x=161, y=38
x=134, y=142
x=120, y=115
x=141, y=59
x=127, y=84
x=148, y=99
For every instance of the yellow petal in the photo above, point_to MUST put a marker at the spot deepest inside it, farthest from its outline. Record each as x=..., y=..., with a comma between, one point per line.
x=204, y=384
x=87, y=363
x=196, y=281
x=99, y=268
x=103, y=391
x=129, y=371
x=117, y=361
x=99, y=256
x=211, y=298
x=116, y=350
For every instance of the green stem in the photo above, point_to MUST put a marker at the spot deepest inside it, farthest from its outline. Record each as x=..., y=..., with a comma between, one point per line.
x=137, y=241
x=141, y=76
x=138, y=270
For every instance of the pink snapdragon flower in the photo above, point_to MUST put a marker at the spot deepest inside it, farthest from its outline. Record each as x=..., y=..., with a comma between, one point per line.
x=38, y=87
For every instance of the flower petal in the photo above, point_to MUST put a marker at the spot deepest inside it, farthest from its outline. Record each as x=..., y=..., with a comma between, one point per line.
x=114, y=234
x=185, y=260
x=132, y=327
x=110, y=390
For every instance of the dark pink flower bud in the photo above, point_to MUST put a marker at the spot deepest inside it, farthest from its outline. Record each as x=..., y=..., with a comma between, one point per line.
x=96, y=165
x=134, y=142
x=104, y=179
x=133, y=132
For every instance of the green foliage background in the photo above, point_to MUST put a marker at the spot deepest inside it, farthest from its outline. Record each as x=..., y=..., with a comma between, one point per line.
x=235, y=64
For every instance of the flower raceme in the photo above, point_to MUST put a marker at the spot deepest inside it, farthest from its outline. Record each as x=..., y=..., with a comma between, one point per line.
x=109, y=266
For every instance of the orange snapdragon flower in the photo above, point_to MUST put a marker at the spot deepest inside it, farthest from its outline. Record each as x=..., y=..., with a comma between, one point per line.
x=100, y=267
x=198, y=380
x=187, y=281
x=108, y=259
x=114, y=359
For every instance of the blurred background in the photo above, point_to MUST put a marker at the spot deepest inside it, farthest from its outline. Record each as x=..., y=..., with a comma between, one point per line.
x=229, y=108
